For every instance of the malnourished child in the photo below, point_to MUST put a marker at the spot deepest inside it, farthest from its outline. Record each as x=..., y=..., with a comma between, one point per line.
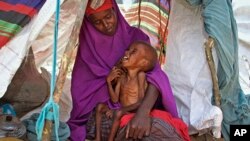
x=130, y=84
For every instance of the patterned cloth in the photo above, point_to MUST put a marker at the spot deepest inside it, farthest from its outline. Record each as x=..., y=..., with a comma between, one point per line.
x=105, y=126
x=14, y=15
x=152, y=17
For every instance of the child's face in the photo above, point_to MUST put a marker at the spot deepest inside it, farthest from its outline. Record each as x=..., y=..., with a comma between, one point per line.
x=133, y=55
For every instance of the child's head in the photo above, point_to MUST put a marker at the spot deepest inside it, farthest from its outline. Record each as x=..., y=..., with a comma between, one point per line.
x=140, y=55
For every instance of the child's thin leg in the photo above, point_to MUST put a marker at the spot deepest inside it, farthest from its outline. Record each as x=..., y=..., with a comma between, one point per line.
x=115, y=125
x=100, y=109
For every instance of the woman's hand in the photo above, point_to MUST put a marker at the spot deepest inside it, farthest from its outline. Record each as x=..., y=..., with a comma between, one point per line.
x=140, y=125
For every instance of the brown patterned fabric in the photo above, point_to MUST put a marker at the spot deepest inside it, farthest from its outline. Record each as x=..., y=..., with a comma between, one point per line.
x=28, y=88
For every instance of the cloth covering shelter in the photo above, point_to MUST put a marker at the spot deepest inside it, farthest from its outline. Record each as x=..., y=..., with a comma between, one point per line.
x=216, y=20
x=187, y=68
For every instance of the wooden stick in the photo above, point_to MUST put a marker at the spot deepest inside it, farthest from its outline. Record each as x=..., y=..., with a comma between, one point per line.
x=47, y=130
x=69, y=53
x=208, y=49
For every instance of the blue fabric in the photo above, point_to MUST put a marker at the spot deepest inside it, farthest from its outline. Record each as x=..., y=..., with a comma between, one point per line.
x=7, y=109
x=30, y=123
x=49, y=112
x=220, y=24
x=37, y=4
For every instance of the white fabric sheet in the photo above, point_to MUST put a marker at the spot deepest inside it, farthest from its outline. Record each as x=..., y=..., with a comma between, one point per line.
x=188, y=71
x=11, y=56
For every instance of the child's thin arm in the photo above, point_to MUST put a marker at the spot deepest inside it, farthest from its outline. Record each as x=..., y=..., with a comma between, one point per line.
x=115, y=97
x=114, y=94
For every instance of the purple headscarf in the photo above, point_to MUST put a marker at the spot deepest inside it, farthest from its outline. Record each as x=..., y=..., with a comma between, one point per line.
x=96, y=56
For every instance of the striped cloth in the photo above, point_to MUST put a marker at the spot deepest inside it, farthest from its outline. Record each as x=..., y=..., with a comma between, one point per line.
x=14, y=15
x=106, y=125
x=152, y=17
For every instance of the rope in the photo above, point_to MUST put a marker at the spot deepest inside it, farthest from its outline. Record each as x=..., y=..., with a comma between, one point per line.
x=51, y=110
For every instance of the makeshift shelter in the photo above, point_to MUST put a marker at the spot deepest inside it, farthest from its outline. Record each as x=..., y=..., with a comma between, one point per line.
x=185, y=58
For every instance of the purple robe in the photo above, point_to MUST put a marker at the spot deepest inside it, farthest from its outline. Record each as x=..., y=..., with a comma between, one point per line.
x=97, y=54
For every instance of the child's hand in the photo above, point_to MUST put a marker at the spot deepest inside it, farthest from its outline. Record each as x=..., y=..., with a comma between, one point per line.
x=114, y=74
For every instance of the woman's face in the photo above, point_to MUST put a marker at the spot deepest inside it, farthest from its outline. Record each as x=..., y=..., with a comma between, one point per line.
x=104, y=21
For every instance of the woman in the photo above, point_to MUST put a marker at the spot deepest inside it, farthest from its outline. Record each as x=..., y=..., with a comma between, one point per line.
x=104, y=37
